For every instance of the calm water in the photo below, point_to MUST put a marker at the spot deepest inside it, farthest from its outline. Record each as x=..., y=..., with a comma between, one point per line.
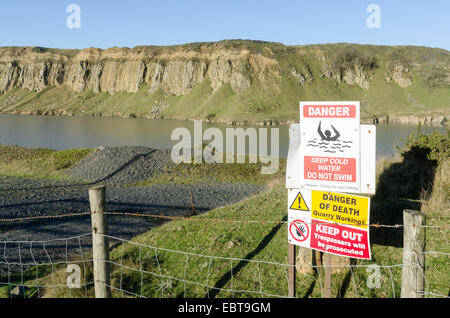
x=60, y=132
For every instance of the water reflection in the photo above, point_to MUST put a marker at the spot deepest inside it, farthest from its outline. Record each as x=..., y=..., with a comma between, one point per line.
x=60, y=132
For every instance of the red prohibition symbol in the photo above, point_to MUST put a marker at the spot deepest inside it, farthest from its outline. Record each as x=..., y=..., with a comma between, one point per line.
x=299, y=230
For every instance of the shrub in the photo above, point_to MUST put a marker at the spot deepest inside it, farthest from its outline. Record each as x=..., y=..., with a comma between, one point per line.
x=436, y=145
x=40, y=49
x=349, y=57
x=436, y=77
x=210, y=117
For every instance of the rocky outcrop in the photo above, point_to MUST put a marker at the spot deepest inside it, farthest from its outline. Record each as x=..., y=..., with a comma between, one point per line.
x=348, y=65
x=114, y=70
x=302, y=78
x=175, y=71
x=400, y=73
x=358, y=76
x=427, y=120
x=354, y=75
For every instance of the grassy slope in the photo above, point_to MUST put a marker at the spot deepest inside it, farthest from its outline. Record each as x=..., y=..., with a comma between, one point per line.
x=274, y=98
x=246, y=241
x=38, y=162
x=437, y=210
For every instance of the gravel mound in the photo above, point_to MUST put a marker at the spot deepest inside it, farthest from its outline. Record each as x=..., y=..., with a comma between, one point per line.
x=117, y=166
x=21, y=197
x=121, y=165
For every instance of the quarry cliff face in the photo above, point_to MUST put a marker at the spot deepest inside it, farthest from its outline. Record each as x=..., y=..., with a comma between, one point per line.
x=174, y=71
x=122, y=69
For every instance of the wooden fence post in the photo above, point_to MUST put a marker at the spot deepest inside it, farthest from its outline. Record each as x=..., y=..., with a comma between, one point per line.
x=413, y=271
x=291, y=270
x=317, y=260
x=100, y=243
x=327, y=261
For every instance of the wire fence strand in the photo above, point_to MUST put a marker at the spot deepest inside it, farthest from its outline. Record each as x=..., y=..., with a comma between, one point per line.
x=202, y=218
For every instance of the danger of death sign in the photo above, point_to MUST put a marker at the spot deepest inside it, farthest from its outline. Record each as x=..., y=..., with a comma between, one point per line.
x=330, y=146
x=335, y=223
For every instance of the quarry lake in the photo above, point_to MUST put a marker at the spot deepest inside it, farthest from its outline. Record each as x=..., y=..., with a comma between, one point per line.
x=61, y=132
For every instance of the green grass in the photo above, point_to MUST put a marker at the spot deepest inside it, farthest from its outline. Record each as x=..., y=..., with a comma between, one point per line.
x=38, y=162
x=263, y=242
x=437, y=211
x=185, y=173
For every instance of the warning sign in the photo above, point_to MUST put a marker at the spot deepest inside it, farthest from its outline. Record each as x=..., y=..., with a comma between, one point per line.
x=330, y=169
x=330, y=146
x=327, y=151
x=341, y=208
x=299, y=217
x=299, y=230
x=299, y=203
x=339, y=240
x=336, y=223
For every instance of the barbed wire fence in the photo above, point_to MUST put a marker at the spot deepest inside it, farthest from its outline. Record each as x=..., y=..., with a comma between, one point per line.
x=41, y=268
x=28, y=268
x=258, y=291
x=23, y=259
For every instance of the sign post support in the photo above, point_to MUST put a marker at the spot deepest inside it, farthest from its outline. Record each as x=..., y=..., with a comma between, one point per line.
x=330, y=155
x=291, y=271
x=327, y=261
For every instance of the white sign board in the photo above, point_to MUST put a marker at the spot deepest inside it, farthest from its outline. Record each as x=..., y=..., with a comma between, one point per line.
x=330, y=146
x=368, y=158
x=330, y=154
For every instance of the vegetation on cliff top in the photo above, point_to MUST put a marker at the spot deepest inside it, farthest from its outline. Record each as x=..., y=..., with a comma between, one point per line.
x=389, y=81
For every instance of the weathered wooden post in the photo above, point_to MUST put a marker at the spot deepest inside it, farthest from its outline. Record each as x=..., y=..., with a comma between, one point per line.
x=100, y=243
x=413, y=272
x=327, y=261
x=317, y=258
x=291, y=273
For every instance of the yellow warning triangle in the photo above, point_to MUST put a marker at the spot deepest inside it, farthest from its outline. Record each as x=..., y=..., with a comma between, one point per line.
x=299, y=203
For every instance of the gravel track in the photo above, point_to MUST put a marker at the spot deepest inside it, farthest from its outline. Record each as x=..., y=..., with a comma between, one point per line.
x=20, y=197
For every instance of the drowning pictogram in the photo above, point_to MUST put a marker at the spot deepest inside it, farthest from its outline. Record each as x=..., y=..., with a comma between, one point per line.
x=327, y=136
x=329, y=143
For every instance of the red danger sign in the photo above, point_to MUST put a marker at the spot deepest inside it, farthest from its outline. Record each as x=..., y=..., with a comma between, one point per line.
x=330, y=146
x=330, y=169
x=329, y=111
x=340, y=240
x=299, y=230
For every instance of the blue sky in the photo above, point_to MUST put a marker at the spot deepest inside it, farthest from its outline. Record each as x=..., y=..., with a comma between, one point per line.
x=137, y=22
